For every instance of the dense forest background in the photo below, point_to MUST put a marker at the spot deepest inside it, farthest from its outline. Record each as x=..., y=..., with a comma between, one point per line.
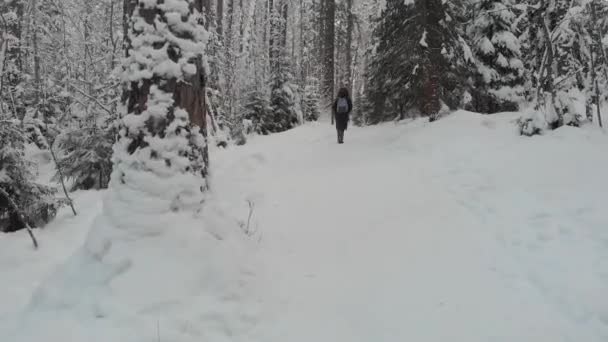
x=271, y=65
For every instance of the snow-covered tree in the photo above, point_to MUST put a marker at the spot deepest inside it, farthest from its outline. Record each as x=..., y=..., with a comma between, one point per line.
x=312, y=98
x=419, y=60
x=161, y=153
x=257, y=113
x=284, y=114
x=500, y=70
x=35, y=202
x=86, y=156
x=561, y=58
x=283, y=101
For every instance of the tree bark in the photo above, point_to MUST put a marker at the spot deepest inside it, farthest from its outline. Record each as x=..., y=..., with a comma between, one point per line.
x=597, y=103
x=220, y=18
x=37, y=76
x=349, y=46
x=188, y=93
x=285, y=13
x=597, y=37
x=548, y=82
x=13, y=58
x=432, y=12
x=128, y=6
x=329, y=33
x=205, y=7
x=271, y=37
x=302, y=63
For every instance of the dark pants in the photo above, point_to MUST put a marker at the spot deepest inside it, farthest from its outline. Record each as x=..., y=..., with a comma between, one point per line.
x=341, y=122
x=341, y=125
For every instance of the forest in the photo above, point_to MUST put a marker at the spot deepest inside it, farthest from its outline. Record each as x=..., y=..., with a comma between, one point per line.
x=169, y=170
x=111, y=87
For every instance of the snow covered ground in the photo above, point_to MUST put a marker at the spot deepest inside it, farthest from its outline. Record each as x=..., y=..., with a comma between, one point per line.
x=22, y=268
x=458, y=230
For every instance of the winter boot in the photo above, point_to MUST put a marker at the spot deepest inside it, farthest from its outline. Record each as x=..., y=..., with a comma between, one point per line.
x=340, y=137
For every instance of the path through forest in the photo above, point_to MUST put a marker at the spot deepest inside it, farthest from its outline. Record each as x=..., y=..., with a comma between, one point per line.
x=460, y=231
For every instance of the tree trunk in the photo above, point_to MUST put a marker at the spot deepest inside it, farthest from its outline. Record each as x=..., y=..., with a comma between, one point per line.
x=432, y=12
x=302, y=63
x=597, y=103
x=37, y=76
x=219, y=12
x=597, y=37
x=187, y=93
x=207, y=11
x=128, y=7
x=285, y=13
x=349, y=46
x=329, y=33
x=548, y=82
x=271, y=37
x=13, y=66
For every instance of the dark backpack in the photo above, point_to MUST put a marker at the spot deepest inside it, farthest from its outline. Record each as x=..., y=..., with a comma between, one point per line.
x=342, y=106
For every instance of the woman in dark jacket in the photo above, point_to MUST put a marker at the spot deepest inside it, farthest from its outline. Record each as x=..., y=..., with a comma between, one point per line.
x=341, y=110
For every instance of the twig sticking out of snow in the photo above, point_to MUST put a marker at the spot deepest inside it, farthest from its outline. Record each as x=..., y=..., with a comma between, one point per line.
x=247, y=226
x=21, y=216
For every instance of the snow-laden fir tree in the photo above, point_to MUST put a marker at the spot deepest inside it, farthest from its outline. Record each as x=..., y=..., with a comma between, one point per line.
x=86, y=156
x=560, y=58
x=387, y=71
x=257, y=112
x=312, y=99
x=500, y=71
x=419, y=60
x=35, y=201
x=284, y=113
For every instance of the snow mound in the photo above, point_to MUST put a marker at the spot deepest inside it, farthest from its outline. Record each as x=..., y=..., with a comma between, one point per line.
x=175, y=278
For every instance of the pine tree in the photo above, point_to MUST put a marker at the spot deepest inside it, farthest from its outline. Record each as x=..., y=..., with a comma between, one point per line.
x=558, y=44
x=500, y=70
x=257, y=112
x=86, y=157
x=284, y=113
x=419, y=60
x=312, y=98
x=388, y=67
x=35, y=202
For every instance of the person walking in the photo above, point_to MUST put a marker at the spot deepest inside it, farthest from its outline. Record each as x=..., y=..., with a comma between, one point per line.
x=341, y=111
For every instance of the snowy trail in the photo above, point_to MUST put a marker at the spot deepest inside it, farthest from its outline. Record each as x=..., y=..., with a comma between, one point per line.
x=458, y=230
x=383, y=239
x=23, y=267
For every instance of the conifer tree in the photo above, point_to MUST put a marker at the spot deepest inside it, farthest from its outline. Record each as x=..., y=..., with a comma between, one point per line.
x=500, y=71
x=284, y=114
x=420, y=61
x=257, y=112
x=36, y=203
x=312, y=98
